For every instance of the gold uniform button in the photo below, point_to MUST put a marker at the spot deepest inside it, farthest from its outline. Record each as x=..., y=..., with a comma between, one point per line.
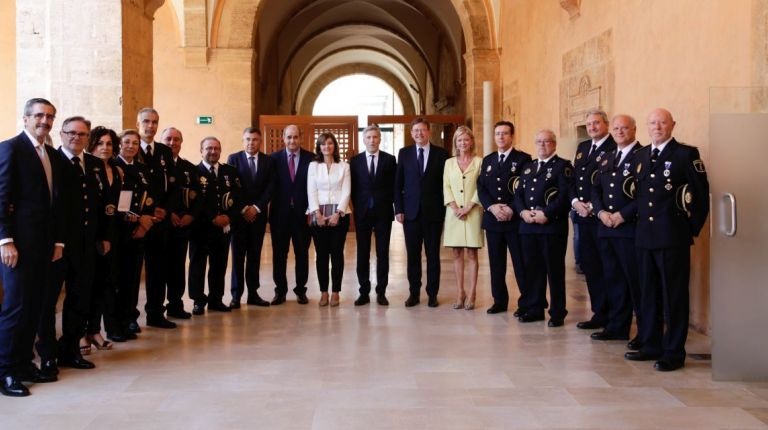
x=498, y=198
x=610, y=207
x=650, y=190
x=610, y=196
x=581, y=188
x=650, y=204
x=534, y=179
x=498, y=179
x=581, y=178
x=581, y=199
x=613, y=174
x=650, y=218
x=653, y=175
x=611, y=185
x=531, y=198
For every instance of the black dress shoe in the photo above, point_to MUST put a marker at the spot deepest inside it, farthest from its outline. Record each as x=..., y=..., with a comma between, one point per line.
x=362, y=300
x=555, y=322
x=381, y=299
x=519, y=312
x=130, y=336
x=667, y=365
x=116, y=337
x=198, y=309
x=606, y=335
x=160, y=322
x=278, y=300
x=234, y=304
x=641, y=356
x=496, y=309
x=529, y=317
x=432, y=302
x=412, y=300
x=75, y=363
x=255, y=300
x=590, y=325
x=13, y=387
x=635, y=344
x=49, y=367
x=219, y=307
x=179, y=313
x=301, y=298
x=31, y=373
x=134, y=328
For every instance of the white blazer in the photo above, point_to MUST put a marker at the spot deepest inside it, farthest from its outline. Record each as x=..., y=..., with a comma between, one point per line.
x=329, y=187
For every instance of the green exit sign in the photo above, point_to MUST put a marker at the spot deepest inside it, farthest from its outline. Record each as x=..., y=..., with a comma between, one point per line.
x=205, y=120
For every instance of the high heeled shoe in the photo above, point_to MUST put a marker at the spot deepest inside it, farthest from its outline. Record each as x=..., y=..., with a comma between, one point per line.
x=335, y=300
x=106, y=345
x=469, y=304
x=459, y=302
x=323, y=300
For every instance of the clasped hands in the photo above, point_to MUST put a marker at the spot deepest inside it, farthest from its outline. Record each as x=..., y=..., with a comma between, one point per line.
x=611, y=220
x=501, y=211
x=534, y=217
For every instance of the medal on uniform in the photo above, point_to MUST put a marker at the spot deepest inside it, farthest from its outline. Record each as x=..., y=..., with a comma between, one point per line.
x=143, y=179
x=626, y=169
x=488, y=169
x=226, y=180
x=514, y=166
x=527, y=171
x=549, y=172
x=188, y=179
x=668, y=187
x=599, y=156
x=667, y=165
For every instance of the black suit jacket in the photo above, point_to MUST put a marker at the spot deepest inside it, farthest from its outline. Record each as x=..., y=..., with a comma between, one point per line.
x=585, y=167
x=496, y=184
x=381, y=189
x=28, y=213
x=615, y=190
x=672, y=197
x=281, y=213
x=418, y=195
x=256, y=191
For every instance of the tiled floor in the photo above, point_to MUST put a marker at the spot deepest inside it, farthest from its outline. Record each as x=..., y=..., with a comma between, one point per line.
x=372, y=367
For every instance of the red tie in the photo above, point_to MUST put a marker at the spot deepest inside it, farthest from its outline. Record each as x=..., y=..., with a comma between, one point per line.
x=291, y=167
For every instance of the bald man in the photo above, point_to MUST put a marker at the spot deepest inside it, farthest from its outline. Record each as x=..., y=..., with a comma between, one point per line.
x=672, y=206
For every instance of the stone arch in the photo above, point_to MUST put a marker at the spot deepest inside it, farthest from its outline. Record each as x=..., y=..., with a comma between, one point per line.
x=305, y=105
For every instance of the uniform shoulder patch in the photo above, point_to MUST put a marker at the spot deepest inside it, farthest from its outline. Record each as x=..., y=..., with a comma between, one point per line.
x=568, y=171
x=698, y=165
x=639, y=167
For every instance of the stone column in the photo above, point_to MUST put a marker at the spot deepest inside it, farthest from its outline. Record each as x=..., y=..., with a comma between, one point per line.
x=482, y=65
x=89, y=57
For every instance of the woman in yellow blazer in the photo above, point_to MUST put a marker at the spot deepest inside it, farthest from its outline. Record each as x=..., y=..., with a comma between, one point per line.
x=463, y=214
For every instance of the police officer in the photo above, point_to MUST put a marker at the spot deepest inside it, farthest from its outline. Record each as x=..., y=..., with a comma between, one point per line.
x=589, y=155
x=542, y=202
x=209, y=241
x=613, y=200
x=672, y=206
x=495, y=188
x=181, y=216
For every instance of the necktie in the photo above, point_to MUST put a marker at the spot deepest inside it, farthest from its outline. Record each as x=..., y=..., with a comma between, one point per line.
x=591, y=150
x=252, y=166
x=292, y=167
x=421, y=161
x=541, y=166
x=654, y=154
x=372, y=169
x=501, y=159
x=213, y=172
x=149, y=151
x=617, y=160
x=46, y=167
x=76, y=162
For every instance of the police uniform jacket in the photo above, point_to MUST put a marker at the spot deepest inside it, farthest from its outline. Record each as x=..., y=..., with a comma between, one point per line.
x=672, y=196
x=110, y=193
x=161, y=177
x=220, y=195
x=187, y=189
x=615, y=190
x=585, y=168
x=547, y=190
x=136, y=179
x=496, y=184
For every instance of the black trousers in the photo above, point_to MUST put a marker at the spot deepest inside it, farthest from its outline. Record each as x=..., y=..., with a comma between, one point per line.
x=178, y=242
x=247, y=241
x=130, y=255
x=296, y=231
x=619, y=257
x=381, y=227
x=664, y=276
x=591, y=263
x=77, y=275
x=545, y=261
x=208, y=246
x=420, y=233
x=499, y=243
x=156, y=277
x=329, y=244
x=103, y=293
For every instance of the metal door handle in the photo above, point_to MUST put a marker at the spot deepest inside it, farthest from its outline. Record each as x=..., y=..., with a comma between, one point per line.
x=730, y=232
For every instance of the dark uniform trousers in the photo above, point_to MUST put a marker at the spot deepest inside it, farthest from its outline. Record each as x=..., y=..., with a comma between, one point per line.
x=673, y=205
x=614, y=191
x=545, y=189
x=186, y=192
x=495, y=184
x=585, y=168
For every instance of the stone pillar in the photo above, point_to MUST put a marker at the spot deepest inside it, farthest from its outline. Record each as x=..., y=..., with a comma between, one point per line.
x=482, y=65
x=89, y=57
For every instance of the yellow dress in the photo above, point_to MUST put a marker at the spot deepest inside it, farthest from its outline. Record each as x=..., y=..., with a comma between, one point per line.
x=461, y=187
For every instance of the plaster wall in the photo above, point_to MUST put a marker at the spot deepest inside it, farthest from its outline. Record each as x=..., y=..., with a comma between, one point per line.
x=663, y=53
x=8, y=115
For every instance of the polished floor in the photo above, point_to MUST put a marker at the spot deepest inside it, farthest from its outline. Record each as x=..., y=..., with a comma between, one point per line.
x=372, y=367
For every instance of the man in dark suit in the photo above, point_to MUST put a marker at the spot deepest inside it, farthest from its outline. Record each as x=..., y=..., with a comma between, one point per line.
x=613, y=200
x=248, y=229
x=499, y=174
x=209, y=244
x=419, y=207
x=287, y=215
x=542, y=202
x=31, y=237
x=589, y=155
x=373, y=185
x=83, y=177
x=159, y=159
x=181, y=215
x=672, y=207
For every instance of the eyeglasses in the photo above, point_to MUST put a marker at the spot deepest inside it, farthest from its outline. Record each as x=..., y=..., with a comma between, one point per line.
x=41, y=115
x=72, y=134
